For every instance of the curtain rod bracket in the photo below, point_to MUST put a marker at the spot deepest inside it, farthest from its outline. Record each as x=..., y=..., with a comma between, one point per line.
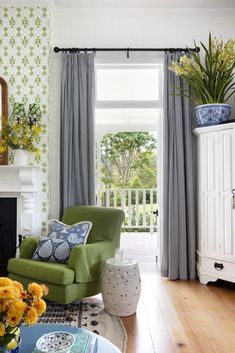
x=128, y=53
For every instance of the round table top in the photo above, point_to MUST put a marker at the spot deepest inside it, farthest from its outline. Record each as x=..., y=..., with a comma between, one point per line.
x=123, y=261
x=30, y=335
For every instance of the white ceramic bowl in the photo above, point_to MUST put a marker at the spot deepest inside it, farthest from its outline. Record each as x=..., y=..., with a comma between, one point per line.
x=56, y=342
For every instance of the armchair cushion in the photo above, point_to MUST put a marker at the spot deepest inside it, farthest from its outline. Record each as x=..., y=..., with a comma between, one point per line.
x=41, y=271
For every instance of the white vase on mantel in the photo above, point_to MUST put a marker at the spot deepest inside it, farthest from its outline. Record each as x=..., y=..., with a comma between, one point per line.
x=21, y=157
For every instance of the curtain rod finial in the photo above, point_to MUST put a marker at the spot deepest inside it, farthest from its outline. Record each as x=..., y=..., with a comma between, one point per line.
x=56, y=50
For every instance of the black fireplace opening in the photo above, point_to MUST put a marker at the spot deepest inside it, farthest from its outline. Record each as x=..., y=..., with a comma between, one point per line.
x=8, y=210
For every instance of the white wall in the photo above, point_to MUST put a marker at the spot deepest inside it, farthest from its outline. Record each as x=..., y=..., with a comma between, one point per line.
x=125, y=28
x=139, y=28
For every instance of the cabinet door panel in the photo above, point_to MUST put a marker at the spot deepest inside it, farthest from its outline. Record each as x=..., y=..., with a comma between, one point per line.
x=210, y=192
x=200, y=203
x=227, y=213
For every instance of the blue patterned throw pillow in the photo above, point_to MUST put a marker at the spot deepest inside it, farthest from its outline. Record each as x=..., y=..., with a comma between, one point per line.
x=57, y=246
x=76, y=233
x=52, y=250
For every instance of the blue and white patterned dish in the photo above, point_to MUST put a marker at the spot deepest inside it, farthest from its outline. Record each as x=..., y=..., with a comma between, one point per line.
x=56, y=342
x=212, y=114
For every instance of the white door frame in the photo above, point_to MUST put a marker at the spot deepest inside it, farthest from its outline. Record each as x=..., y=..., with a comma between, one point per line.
x=102, y=129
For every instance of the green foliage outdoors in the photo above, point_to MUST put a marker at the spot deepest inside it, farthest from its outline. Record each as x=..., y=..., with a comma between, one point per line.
x=128, y=160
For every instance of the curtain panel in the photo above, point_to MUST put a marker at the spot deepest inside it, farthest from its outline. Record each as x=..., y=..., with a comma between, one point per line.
x=178, y=236
x=77, y=177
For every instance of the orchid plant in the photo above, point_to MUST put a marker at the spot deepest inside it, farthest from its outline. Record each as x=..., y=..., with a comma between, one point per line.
x=210, y=72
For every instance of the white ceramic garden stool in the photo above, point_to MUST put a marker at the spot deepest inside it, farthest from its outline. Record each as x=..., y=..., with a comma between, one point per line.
x=121, y=285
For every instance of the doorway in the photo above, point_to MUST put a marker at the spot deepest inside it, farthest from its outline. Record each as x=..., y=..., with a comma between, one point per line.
x=128, y=108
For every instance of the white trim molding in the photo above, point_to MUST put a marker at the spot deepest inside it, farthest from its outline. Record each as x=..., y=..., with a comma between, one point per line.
x=23, y=183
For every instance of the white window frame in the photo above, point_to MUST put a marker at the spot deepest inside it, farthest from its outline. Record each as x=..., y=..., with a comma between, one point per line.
x=132, y=104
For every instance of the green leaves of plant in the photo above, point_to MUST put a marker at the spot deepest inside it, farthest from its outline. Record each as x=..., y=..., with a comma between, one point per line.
x=210, y=72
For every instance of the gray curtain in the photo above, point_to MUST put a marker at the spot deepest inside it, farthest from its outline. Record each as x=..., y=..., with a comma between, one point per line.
x=77, y=182
x=178, y=238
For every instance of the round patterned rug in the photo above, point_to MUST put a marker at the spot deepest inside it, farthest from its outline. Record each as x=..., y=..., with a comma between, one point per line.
x=90, y=315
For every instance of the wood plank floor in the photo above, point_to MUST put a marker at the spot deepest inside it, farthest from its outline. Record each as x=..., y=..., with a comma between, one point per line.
x=181, y=316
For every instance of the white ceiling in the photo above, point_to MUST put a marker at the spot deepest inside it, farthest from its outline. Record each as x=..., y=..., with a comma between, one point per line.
x=26, y=2
x=196, y=4
x=130, y=4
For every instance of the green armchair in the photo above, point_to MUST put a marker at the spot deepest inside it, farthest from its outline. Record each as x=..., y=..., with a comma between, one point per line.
x=81, y=276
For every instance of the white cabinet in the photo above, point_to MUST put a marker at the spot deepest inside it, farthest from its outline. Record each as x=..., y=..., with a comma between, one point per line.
x=216, y=202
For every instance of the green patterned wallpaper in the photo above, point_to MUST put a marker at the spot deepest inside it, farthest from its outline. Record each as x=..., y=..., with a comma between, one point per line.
x=25, y=34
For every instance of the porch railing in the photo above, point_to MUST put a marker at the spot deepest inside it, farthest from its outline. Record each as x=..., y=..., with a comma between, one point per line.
x=139, y=205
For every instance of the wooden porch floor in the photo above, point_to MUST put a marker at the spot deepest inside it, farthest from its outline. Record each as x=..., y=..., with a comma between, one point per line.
x=141, y=247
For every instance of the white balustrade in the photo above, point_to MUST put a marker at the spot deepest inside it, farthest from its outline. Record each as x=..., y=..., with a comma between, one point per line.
x=138, y=204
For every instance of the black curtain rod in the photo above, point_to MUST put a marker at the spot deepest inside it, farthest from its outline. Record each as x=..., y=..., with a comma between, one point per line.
x=128, y=50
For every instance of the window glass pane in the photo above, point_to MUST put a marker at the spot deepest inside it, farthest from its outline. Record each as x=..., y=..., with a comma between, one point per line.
x=127, y=84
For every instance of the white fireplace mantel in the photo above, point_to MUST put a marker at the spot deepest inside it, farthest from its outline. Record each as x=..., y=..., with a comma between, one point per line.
x=23, y=183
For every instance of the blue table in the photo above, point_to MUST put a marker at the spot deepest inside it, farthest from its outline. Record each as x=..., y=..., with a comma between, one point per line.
x=30, y=335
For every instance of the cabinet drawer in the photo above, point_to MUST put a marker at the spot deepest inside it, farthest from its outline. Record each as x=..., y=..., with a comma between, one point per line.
x=217, y=267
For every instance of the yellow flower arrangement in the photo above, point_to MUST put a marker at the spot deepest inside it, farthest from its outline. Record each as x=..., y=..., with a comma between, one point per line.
x=19, y=306
x=22, y=131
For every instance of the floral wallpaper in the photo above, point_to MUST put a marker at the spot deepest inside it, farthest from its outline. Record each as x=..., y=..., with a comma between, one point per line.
x=25, y=34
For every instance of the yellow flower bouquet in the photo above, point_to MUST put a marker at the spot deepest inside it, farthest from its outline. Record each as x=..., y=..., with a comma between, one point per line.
x=18, y=307
x=22, y=131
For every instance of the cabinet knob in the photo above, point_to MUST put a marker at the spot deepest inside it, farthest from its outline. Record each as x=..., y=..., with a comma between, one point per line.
x=233, y=196
x=218, y=267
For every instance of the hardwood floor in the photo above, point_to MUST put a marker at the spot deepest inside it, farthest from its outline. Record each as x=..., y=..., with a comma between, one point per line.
x=181, y=316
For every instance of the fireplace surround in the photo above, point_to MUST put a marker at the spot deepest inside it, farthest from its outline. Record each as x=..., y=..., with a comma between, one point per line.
x=24, y=184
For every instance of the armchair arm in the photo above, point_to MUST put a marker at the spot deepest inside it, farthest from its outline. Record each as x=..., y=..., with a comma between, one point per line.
x=28, y=246
x=87, y=260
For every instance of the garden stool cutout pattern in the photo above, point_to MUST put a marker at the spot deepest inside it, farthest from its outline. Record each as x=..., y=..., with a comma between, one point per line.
x=121, y=286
